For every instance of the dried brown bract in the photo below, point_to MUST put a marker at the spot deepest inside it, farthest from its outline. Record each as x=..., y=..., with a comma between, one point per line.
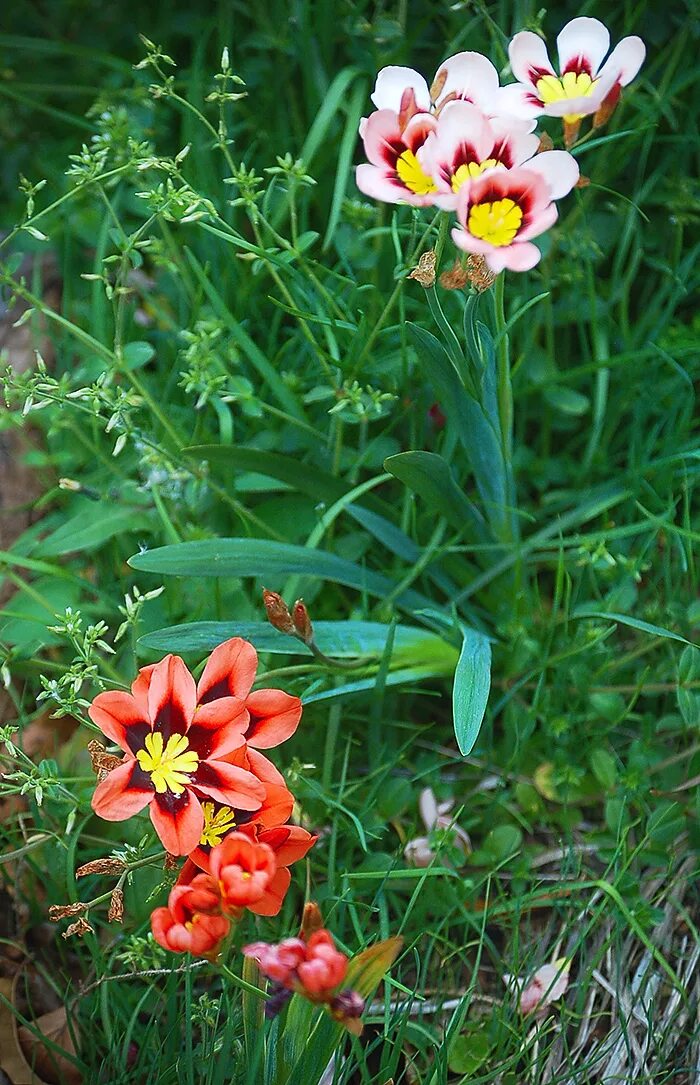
x=424, y=272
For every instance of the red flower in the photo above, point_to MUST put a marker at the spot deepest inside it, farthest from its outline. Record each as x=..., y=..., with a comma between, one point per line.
x=313, y=968
x=243, y=870
x=175, y=738
x=219, y=819
x=273, y=716
x=288, y=843
x=324, y=968
x=192, y=921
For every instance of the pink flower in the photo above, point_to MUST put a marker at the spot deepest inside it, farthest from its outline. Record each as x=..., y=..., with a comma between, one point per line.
x=314, y=968
x=395, y=172
x=502, y=210
x=584, y=84
x=468, y=77
x=466, y=144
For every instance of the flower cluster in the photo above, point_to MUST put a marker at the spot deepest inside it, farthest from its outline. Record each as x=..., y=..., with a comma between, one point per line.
x=314, y=968
x=192, y=755
x=468, y=144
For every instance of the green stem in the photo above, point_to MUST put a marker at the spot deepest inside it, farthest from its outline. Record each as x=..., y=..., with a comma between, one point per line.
x=505, y=390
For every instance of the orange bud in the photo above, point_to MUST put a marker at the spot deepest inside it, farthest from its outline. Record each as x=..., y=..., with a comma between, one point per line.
x=278, y=612
x=302, y=622
x=312, y=920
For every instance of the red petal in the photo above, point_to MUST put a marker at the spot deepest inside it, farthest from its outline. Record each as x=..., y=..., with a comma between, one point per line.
x=289, y=843
x=218, y=728
x=229, y=672
x=172, y=697
x=140, y=687
x=229, y=785
x=119, y=718
x=274, y=717
x=178, y=820
x=263, y=768
x=271, y=900
x=276, y=808
x=115, y=798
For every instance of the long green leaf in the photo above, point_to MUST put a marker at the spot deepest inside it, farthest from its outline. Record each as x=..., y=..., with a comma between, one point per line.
x=429, y=476
x=633, y=623
x=471, y=689
x=266, y=558
x=341, y=640
x=95, y=525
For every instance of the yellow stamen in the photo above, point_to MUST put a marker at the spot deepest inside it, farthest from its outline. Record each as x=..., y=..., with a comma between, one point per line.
x=170, y=767
x=413, y=175
x=469, y=170
x=217, y=823
x=553, y=88
x=496, y=223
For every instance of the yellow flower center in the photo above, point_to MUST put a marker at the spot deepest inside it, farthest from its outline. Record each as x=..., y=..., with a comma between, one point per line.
x=469, y=170
x=554, y=88
x=496, y=223
x=217, y=823
x=170, y=766
x=413, y=176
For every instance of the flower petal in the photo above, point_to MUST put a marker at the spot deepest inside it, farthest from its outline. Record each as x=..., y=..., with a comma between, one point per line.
x=541, y=220
x=178, y=821
x=171, y=697
x=625, y=61
x=229, y=672
x=470, y=77
x=382, y=138
x=391, y=83
x=529, y=59
x=274, y=717
x=271, y=901
x=581, y=45
x=464, y=240
x=218, y=727
x=559, y=169
x=228, y=785
x=520, y=101
x=289, y=843
x=119, y=717
x=263, y=768
x=463, y=135
x=519, y=257
x=379, y=184
x=123, y=792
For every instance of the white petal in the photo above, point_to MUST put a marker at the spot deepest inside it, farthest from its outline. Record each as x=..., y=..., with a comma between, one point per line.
x=582, y=44
x=469, y=76
x=625, y=61
x=516, y=100
x=393, y=81
x=528, y=54
x=427, y=804
x=558, y=168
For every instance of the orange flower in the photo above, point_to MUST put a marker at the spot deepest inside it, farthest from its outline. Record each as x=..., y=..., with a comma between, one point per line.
x=192, y=921
x=243, y=870
x=221, y=819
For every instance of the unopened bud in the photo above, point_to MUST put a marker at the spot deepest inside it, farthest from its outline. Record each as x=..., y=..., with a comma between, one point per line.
x=116, y=907
x=408, y=107
x=302, y=622
x=311, y=921
x=347, y=1008
x=571, y=130
x=101, y=866
x=438, y=84
x=278, y=612
x=69, y=484
x=64, y=911
x=80, y=927
x=607, y=107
